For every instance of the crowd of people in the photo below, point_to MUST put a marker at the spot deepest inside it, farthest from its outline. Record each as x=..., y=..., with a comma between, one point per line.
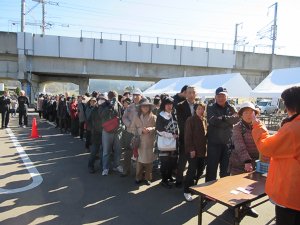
x=176, y=131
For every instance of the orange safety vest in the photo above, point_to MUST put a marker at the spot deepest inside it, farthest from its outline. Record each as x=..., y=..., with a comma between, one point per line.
x=283, y=181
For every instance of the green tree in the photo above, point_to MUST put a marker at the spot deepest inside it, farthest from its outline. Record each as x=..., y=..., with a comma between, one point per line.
x=18, y=90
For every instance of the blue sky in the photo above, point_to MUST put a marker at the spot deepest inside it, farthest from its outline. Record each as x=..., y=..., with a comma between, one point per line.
x=199, y=20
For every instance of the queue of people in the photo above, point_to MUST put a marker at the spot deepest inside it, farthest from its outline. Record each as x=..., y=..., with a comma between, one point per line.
x=177, y=132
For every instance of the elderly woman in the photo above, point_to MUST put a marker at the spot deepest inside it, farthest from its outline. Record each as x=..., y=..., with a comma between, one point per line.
x=144, y=126
x=283, y=181
x=243, y=156
x=195, y=143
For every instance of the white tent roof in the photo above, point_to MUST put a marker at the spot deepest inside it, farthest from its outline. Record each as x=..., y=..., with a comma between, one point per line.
x=276, y=82
x=205, y=85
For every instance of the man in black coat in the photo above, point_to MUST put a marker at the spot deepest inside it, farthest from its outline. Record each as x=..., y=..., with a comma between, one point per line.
x=221, y=117
x=23, y=103
x=184, y=110
x=5, y=107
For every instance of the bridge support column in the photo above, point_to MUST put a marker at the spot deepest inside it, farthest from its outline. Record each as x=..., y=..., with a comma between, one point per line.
x=83, y=86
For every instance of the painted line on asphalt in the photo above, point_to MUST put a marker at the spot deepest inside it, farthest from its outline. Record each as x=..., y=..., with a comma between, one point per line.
x=34, y=173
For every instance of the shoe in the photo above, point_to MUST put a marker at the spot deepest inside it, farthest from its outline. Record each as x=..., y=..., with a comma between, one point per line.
x=87, y=150
x=105, y=172
x=147, y=182
x=138, y=181
x=251, y=212
x=172, y=179
x=188, y=197
x=166, y=184
x=118, y=169
x=91, y=170
x=178, y=184
x=24, y=126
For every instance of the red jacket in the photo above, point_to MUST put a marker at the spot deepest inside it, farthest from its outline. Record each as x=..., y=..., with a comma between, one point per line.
x=283, y=182
x=74, y=110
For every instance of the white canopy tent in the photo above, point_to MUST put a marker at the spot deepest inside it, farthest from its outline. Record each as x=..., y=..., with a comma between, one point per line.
x=206, y=85
x=276, y=82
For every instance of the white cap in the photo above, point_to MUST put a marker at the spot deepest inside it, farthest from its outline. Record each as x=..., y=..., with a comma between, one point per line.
x=137, y=91
x=248, y=105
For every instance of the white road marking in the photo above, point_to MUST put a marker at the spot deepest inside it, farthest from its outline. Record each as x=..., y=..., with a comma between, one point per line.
x=34, y=173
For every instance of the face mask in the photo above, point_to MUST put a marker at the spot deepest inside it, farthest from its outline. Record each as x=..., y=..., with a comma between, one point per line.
x=101, y=101
x=62, y=99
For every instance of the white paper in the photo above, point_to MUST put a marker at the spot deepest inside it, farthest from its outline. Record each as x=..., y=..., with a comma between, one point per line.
x=243, y=190
x=235, y=192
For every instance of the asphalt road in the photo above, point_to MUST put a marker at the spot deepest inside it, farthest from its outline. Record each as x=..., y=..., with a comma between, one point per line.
x=48, y=183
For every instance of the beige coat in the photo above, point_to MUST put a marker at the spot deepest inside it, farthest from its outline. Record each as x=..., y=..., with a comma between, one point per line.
x=146, y=147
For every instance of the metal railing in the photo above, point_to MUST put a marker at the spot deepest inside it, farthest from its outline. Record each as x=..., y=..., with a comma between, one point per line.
x=174, y=42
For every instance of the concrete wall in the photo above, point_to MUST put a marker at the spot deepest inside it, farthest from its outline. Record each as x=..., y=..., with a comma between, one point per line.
x=110, y=50
x=8, y=43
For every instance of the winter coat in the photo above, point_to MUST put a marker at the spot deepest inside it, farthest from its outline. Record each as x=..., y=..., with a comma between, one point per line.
x=87, y=116
x=219, y=130
x=245, y=150
x=62, y=110
x=128, y=116
x=23, y=103
x=283, y=181
x=81, y=110
x=146, y=147
x=74, y=110
x=195, y=136
x=166, y=125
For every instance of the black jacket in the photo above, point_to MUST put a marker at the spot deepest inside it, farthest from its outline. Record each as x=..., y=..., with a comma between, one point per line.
x=4, y=103
x=220, y=129
x=183, y=112
x=23, y=103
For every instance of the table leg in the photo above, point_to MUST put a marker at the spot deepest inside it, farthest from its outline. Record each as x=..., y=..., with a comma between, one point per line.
x=201, y=200
x=237, y=214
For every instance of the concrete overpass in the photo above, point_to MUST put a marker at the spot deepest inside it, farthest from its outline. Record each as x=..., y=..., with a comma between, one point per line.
x=35, y=60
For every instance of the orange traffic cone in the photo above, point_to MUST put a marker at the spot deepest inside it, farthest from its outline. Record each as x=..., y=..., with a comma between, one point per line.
x=34, y=130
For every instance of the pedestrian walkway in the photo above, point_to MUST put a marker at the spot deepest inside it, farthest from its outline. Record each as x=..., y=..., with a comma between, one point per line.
x=70, y=195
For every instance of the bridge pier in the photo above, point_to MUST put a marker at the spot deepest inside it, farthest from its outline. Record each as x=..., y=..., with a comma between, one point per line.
x=83, y=85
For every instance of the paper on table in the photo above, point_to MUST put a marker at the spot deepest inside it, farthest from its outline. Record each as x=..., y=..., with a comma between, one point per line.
x=243, y=190
x=235, y=192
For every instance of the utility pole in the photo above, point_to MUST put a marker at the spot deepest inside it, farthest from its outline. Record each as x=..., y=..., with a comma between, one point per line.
x=274, y=36
x=22, y=15
x=43, y=19
x=236, y=35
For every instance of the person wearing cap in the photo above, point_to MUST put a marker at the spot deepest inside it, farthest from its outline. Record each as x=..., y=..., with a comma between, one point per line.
x=166, y=126
x=283, y=180
x=180, y=97
x=184, y=110
x=221, y=116
x=144, y=126
x=128, y=134
x=243, y=156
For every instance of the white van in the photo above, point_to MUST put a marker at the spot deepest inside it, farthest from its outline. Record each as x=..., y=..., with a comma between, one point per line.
x=267, y=106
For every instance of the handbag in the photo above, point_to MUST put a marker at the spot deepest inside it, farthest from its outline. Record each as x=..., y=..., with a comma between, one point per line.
x=166, y=144
x=111, y=125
